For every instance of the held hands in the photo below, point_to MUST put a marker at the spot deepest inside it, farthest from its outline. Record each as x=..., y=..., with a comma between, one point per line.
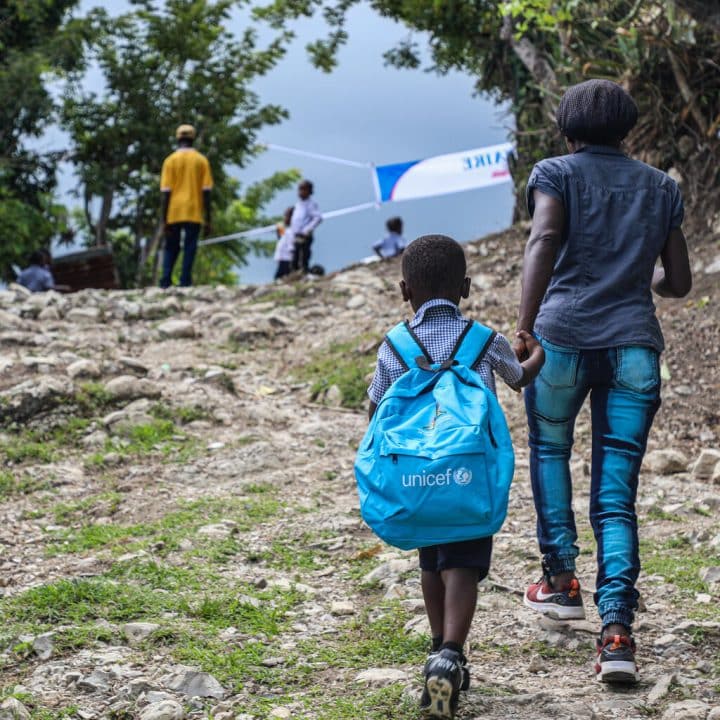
x=520, y=345
x=531, y=348
x=530, y=354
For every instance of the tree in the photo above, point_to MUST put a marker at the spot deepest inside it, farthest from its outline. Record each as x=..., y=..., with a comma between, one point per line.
x=162, y=64
x=527, y=51
x=35, y=41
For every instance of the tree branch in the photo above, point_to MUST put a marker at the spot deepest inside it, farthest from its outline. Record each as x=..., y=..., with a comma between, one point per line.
x=686, y=92
x=536, y=64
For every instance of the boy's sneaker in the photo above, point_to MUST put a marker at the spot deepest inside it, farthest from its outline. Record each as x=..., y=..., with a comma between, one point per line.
x=445, y=675
x=616, y=660
x=557, y=604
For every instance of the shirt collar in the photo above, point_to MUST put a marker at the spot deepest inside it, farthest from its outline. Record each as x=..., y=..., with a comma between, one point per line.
x=435, y=302
x=600, y=150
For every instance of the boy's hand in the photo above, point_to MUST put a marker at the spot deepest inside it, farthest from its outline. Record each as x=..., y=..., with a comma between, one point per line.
x=532, y=346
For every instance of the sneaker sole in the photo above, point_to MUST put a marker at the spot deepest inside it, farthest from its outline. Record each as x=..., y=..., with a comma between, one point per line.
x=440, y=691
x=620, y=672
x=556, y=612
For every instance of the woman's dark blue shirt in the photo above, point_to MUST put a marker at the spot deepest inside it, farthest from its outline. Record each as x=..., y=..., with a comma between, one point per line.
x=618, y=214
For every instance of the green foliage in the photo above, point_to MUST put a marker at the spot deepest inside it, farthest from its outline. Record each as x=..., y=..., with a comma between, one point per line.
x=33, y=47
x=527, y=51
x=163, y=64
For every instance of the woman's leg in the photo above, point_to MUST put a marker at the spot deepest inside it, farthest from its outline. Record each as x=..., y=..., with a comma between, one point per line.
x=622, y=414
x=552, y=402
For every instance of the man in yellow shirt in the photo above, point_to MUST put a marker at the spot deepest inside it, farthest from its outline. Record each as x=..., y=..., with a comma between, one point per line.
x=185, y=182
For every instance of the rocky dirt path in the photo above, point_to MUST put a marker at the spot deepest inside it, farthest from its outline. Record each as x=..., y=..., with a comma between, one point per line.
x=179, y=531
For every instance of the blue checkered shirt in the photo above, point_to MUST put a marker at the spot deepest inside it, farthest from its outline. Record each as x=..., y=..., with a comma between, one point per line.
x=438, y=324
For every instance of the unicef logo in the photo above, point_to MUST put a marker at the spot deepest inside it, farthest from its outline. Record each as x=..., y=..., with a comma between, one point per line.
x=462, y=476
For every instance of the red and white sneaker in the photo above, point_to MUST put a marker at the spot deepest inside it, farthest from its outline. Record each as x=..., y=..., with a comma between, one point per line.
x=558, y=604
x=616, y=660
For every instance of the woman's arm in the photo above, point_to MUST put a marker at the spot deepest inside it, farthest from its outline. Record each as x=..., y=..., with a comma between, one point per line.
x=540, y=253
x=674, y=279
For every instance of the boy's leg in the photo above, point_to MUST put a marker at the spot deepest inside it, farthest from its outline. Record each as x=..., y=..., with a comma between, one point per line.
x=459, y=609
x=283, y=269
x=552, y=402
x=450, y=598
x=622, y=414
x=306, y=253
x=433, y=589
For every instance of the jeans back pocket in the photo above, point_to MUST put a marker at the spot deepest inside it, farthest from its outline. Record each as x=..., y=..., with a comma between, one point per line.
x=638, y=368
x=561, y=364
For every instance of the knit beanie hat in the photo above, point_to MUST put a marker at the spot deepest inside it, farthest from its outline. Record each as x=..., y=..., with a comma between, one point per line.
x=599, y=112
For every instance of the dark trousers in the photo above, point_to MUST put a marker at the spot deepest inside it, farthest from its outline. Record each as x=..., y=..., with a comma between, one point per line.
x=301, y=255
x=191, y=233
x=284, y=268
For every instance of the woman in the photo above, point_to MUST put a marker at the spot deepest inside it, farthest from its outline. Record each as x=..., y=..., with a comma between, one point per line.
x=600, y=220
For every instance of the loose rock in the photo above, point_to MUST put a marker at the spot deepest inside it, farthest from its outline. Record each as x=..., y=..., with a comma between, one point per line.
x=165, y=710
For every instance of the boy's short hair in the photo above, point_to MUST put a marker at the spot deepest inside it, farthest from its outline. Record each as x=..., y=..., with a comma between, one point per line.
x=308, y=185
x=37, y=257
x=434, y=265
x=394, y=224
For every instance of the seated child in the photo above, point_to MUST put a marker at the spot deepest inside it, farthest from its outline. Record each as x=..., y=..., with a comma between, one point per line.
x=37, y=276
x=285, y=245
x=393, y=243
x=434, y=281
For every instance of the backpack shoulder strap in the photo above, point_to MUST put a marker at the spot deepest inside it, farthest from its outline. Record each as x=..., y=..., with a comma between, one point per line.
x=405, y=345
x=472, y=345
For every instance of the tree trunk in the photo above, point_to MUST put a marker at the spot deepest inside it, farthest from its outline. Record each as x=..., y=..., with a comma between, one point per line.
x=151, y=248
x=537, y=65
x=105, y=210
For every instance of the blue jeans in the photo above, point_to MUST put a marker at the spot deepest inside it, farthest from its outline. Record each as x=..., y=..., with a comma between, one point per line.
x=172, y=250
x=624, y=387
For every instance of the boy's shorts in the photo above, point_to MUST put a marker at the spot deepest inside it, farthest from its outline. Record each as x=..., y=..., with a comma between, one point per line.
x=468, y=554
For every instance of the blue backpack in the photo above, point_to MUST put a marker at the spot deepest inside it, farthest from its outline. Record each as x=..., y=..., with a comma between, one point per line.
x=436, y=462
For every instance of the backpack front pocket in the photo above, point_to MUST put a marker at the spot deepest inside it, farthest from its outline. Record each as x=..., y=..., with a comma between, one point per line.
x=442, y=482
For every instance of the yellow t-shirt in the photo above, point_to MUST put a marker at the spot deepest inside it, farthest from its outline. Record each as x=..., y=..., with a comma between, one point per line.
x=185, y=174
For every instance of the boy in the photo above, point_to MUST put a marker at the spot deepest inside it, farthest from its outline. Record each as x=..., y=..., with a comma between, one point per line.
x=285, y=245
x=37, y=276
x=305, y=218
x=393, y=243
x=434, y=281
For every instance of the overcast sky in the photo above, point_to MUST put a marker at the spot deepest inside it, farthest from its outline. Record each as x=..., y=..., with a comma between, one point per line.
x=365, y=111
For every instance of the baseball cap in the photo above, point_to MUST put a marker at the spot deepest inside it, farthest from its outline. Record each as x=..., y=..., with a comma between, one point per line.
x=185, y=131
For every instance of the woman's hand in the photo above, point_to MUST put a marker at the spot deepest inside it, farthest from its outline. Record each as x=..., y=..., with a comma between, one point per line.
x=519, y=347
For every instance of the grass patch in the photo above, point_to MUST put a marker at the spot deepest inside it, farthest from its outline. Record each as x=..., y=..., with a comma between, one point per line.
x=106, y=503
x=293, y=554
x=12, y=484
x=366, y=642
x=168, y=530
x=192, y=605
x=181, y=415
x=342, y=364
x=679, y=564
x=656, y=513
x=43, y=445
x=92, y=398
x=157, y=437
